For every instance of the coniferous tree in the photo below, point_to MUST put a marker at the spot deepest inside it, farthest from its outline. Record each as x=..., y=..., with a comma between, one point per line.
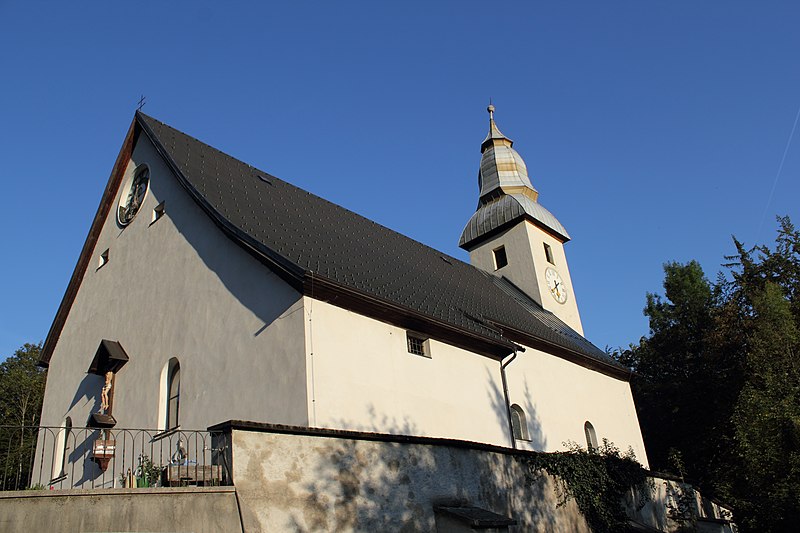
x=766, y=486
x=717, y=380
x=677, y=385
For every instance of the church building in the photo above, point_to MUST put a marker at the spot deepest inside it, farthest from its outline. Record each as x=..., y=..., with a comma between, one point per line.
x=209, y=290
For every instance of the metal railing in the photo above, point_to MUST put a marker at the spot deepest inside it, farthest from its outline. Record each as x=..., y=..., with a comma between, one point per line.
x=42, y=457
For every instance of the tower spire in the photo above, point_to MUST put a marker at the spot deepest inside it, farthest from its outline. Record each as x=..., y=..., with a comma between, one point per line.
x=506, y=192
x=502, y=169
x=494, y=132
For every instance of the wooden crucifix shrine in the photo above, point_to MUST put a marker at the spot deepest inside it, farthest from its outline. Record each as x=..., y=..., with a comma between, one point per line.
x=108, y=360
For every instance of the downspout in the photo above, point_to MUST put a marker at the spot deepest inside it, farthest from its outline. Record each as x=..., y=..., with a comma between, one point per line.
x=313, y=421
x=503, y=366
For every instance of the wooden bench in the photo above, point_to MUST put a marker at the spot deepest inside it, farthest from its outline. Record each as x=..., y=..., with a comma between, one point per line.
x=182, y=475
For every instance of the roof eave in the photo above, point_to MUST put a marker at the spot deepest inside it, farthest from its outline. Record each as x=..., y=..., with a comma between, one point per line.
x=330, y=291
x=106, y=202
x=582, y=359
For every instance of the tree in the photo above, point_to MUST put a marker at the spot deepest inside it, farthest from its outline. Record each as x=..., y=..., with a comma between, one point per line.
x=767, y=418
x=21, y=395
x=718, y=379
x=676, y=384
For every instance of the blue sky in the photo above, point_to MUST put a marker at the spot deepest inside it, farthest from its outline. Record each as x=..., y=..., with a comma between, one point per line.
x=653, y=130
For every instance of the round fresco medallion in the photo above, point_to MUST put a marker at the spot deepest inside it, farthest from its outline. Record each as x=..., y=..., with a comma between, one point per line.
x=133, y=197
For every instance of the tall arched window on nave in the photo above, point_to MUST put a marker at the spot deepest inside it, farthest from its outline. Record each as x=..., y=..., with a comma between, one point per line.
x=591, y=436
x=519, y=423
x=174, y=395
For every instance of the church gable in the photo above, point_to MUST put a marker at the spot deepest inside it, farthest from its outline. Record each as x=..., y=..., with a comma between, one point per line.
x=163, y=281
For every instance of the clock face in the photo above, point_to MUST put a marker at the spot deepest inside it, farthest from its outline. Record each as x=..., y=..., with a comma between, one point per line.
x=133, y=198
x=556, y=285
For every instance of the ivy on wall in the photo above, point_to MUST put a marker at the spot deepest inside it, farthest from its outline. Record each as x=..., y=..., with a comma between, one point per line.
x=598, y=480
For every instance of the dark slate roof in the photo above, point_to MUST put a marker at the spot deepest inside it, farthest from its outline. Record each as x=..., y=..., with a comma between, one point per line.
x=304, y=232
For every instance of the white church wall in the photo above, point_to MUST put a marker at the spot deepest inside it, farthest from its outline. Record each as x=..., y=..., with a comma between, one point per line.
x=362, y=377
x=559, y=396
x=177, y=287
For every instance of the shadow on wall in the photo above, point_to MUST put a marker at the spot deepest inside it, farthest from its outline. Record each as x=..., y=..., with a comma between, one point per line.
x=381, y=423
x=356, y=484
x=343, y=484
x=388, y=486
x=89, y=388
x=80, y=451
x=80, y=457
x=204, y=237
x=535, y=437
x=222, y=309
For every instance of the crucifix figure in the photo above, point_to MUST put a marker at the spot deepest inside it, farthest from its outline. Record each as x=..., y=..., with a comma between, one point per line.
x=104, y=394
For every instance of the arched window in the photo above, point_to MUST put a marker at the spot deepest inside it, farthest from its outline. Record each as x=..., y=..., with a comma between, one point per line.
x=591, y=436
x=61, y=449
x=173, y=394
x=519, y=424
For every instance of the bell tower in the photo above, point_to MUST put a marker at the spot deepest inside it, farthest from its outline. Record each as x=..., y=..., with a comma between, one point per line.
x=512, y=235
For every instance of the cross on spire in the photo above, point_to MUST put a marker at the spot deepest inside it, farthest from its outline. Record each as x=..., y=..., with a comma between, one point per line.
x=141, y=103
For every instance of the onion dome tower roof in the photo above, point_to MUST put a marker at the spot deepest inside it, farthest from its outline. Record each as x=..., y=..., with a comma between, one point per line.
x=506, y=192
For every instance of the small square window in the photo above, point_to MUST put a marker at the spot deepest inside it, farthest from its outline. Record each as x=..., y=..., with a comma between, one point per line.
x=500, y=258
x=418, y=345
x=103, y=259
x=548, y=253
x=158, y=211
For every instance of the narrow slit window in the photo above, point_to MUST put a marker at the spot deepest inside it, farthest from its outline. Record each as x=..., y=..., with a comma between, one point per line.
x=173, y=394
x=500, y=258
x=103, y=261
x=158, y=211
x=418, y=345
x=548, y=253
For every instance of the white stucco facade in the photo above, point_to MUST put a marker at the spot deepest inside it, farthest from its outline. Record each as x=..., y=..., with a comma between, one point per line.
x=559, y=397
x=362, y=377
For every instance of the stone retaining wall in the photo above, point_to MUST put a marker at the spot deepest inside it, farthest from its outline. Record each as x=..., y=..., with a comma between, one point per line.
x=190, y=509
